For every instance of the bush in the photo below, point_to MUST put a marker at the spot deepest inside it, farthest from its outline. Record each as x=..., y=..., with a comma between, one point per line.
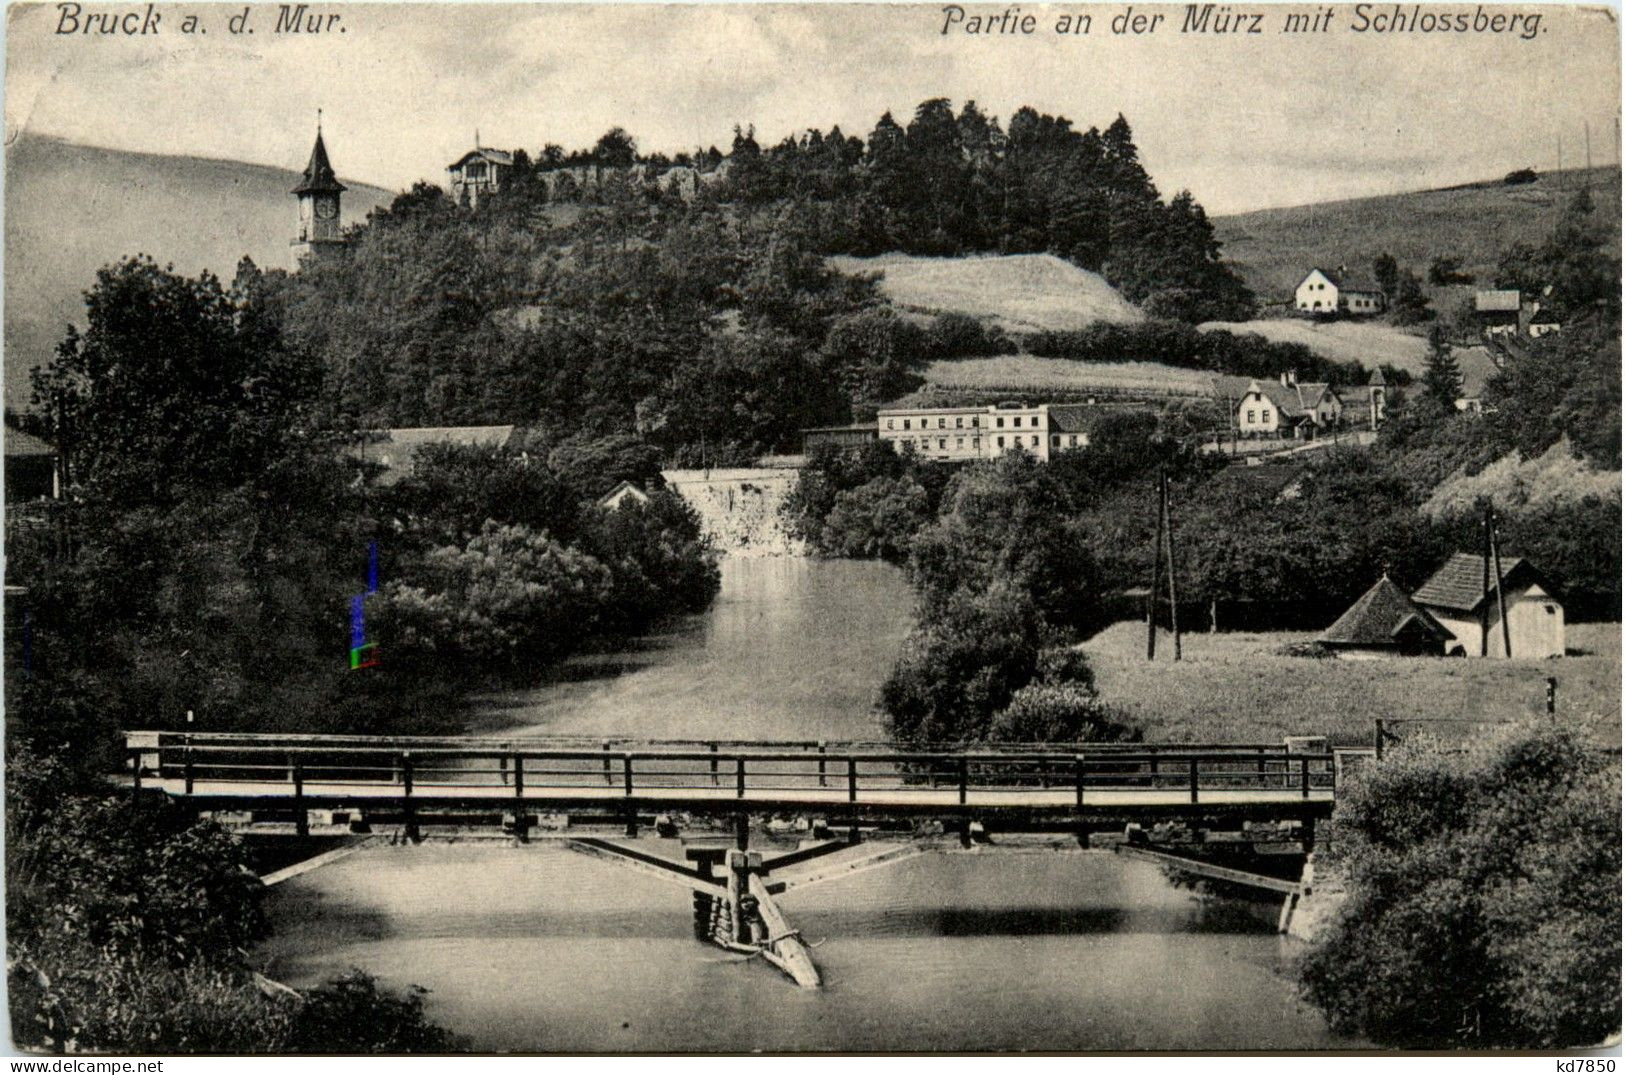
x=960, y=667
x=1059, y=713
x=1483, y=901
x=957, y=335
x=877, y=520
x=508, y=595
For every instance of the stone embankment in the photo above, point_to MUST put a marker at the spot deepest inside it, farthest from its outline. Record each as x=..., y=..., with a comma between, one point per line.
x=739, y=508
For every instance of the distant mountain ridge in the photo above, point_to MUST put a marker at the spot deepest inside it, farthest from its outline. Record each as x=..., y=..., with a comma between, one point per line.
x=70, y=209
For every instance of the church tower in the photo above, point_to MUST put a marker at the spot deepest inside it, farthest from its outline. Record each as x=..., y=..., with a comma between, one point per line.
x=320, y=229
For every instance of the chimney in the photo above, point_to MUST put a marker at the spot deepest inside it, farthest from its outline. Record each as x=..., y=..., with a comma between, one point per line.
x=1284, y=381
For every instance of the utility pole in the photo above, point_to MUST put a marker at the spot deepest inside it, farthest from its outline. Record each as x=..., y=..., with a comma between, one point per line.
x=1500, y=590
x=1484, y=590
x=1156, y=573
x=1173, y=588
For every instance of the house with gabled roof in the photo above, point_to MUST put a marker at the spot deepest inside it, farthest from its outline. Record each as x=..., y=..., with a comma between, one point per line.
x=1288, y=409
x=1328, y=292
x=480, y=171
x=1386, y=623
x=1458, y=597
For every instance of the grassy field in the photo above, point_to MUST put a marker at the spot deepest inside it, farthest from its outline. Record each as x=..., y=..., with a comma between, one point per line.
x=1273, y=248
x=1033, y=374
x=1370, y=343
x=1021, y=293
x=1239, y=688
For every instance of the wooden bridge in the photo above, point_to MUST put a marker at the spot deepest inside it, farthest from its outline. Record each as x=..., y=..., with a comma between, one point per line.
x=274, y=784
x=409, y=779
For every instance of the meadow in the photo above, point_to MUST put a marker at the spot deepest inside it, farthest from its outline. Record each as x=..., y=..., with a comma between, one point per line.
x=1240, y=687
x=1021, y=293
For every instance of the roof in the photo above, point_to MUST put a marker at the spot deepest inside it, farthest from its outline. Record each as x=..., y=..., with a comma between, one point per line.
x=622, y=490
x=1311, y=393
x=1497, y=301
x=1377, y=378
x=19, y=443
x=1071, y=418
x=493, y=156
x=319, y=177
x=1379, y=617
x=1345, y=280
x=1288, y=399
x=1545, y=317
x=855, y=427
x=1459, y=584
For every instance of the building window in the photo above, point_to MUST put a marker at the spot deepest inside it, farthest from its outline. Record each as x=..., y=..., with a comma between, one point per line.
x=889, y=424
x=1055, y=440
x=1035, y=442
x=1073, y=441
x=1001, y=442
x=1266, y=415
x=942, y=442
x=975, y=421
x=942, y=423
x=959, y=423
x=976, y=442
x=1000, y=422
x=1251, y=416
x=959, y=442
x=1016, y=421
x=905, y=423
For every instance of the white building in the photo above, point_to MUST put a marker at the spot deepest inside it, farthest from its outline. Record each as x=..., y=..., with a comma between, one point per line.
x=1288, y=409
x=951, y=434
x=1457, y=598
x=1325, y=292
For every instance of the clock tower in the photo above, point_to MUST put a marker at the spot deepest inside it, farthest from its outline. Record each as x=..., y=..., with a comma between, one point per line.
x=320, y=230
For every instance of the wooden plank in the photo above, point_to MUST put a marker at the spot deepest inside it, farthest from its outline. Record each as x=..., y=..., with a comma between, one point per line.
x=670, y=872
x=833, y=871
x=784, y=947
x=1208, y=869
x=288, y=873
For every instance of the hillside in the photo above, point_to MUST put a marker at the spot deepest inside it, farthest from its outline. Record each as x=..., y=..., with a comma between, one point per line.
x=1273, y=248
x=1020, y=293
x=1370, y=343
x=71, y=209
x=1031, y=375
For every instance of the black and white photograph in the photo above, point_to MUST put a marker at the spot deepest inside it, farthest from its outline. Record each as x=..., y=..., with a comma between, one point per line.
x=739, y=528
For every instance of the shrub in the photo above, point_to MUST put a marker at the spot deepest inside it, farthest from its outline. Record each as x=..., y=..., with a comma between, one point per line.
x=1483, y=901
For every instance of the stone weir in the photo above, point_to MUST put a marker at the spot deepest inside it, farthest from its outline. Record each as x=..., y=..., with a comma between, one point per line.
x=739, y=508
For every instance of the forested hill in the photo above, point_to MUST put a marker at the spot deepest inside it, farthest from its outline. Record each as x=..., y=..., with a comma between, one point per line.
x=71, y=209
x=605, y=296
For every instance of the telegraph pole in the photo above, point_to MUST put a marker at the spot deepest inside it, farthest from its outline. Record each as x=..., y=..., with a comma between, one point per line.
x=1484, y=591
x=1156, y=573
x=1500, y=591
x=1173, y=588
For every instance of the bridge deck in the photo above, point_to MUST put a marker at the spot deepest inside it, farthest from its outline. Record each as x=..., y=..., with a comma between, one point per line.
x=268, y=772
x=948, y=799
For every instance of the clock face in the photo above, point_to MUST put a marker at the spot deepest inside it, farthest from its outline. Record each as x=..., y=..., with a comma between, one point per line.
x=327, y=208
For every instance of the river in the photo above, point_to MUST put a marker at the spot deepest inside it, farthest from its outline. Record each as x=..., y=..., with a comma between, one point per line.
x=537, y=948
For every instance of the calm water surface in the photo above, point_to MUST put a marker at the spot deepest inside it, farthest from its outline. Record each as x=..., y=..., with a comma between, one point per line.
x=536, y=948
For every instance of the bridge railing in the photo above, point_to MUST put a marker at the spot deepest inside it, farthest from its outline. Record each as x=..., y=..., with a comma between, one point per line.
x=476, y=770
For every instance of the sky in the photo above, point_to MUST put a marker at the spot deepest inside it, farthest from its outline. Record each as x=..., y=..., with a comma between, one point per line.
x=1243, y=121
